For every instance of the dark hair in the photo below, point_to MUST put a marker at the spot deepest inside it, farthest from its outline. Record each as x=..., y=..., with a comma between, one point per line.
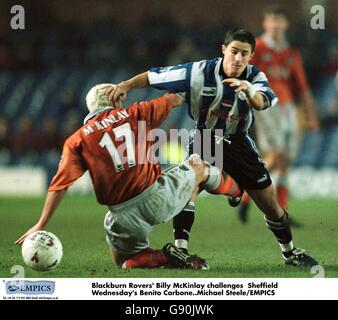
x=241, y=35
x=275, y=10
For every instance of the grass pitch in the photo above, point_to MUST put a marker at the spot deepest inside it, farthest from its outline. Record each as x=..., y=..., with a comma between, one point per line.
x=233, y=250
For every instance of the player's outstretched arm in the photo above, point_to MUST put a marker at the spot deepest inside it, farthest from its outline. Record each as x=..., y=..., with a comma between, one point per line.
x=255, y=98
x=119, y=91
x=53, y=199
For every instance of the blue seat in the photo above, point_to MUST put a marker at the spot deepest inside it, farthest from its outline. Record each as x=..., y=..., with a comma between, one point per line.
x=330, y=156
x=310, y=150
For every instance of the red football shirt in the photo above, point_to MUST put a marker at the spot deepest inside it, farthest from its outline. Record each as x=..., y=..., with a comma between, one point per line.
x=283, y=68
x=114, y=147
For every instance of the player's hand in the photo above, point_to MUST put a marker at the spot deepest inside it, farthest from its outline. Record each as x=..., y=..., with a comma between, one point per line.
x=237, y=84
x=37, y=227
x=117, y=92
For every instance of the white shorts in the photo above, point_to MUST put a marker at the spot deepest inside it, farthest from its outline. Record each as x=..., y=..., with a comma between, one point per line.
x=129, y=224
x=276, y=129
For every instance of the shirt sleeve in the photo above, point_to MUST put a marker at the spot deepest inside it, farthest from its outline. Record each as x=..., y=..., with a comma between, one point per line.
x=173, y=79
x=71, y=167
x=261, y=84
x=154, y=111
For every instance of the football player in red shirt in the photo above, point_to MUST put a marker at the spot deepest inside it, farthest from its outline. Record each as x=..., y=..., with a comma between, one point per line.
x=113, y=146
x=276, y=128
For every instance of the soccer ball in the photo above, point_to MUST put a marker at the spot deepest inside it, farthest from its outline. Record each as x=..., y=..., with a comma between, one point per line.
x=42, y=251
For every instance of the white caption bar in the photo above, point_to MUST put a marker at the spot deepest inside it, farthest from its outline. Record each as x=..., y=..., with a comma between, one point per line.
x=169, y=289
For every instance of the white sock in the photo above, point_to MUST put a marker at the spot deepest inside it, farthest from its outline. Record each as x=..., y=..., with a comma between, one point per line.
x=181, y=243
x=214, y=179
x=286, y=247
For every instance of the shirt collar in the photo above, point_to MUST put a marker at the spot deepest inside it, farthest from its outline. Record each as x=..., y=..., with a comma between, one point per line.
x=96, y=112
x=242, y=76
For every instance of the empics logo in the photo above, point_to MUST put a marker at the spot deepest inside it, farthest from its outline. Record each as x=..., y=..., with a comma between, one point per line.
x=30, y=287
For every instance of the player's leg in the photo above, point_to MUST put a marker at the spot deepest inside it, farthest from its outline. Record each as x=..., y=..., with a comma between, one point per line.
x=184, y=220
x=169, y=255
x=225, y=185
x=207, y=177
x=147, y=258
x=213, y=181
x=288, y=153
x=128, y=225
x=269, y=132
x=251, y=173
x=282, y=190
x=282, y=162
x=271, y=159
x=180, y=186
x=277, y=221
x=130, y=249
x=218, y=182
x=182, y=225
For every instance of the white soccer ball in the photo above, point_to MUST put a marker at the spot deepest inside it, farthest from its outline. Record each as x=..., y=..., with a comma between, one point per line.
x=42, y=251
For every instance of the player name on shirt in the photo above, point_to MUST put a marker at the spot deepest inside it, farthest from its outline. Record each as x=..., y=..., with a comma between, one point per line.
x=106, y=122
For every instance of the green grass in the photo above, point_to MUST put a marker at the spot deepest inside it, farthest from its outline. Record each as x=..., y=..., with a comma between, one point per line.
x=232, y=249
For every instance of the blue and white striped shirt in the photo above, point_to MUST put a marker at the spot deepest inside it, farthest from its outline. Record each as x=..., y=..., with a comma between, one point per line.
x=212, y=104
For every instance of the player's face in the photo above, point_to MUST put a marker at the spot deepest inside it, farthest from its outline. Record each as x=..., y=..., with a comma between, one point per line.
x=237, y=55
x=275, y=25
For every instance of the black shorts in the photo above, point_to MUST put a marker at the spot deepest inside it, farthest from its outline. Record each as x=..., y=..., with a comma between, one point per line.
x=239, y=158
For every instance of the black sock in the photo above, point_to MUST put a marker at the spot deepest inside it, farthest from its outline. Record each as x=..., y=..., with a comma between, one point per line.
x=282, y=232
x=182, y=224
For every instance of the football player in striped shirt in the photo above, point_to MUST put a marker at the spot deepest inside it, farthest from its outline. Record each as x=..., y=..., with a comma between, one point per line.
x=276, y=129
x=221, y=94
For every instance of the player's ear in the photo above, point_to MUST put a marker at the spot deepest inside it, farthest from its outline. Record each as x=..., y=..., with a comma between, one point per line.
x=223, y=48
x=251, y=55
